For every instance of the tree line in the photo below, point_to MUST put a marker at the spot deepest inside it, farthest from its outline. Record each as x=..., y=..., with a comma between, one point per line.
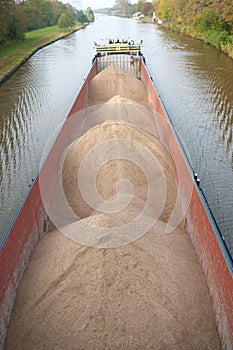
x=209, y=20
x=20, y=16
x=125, y=8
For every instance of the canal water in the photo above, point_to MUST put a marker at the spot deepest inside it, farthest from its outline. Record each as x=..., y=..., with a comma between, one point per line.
x=194, y=80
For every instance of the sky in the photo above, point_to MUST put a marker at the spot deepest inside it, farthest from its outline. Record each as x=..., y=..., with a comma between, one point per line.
x=94, y=4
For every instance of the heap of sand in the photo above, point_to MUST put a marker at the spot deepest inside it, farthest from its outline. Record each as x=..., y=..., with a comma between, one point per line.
x=132, y=148
x=114, y=81
x=148, y=292
x=119, y=108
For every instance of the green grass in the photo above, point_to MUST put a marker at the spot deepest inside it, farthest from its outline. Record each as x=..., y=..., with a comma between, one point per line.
x=12, y=56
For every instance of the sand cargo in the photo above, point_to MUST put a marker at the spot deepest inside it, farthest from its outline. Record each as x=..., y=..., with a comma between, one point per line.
x=140, y=264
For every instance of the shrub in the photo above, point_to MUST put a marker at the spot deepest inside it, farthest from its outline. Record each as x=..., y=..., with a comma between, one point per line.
x=206, y=21
x=81, y=17
x=65, y=21
x=228, y=47
x=216, y=38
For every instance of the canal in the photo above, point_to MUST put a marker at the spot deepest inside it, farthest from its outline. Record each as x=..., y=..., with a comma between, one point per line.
x=194, y=80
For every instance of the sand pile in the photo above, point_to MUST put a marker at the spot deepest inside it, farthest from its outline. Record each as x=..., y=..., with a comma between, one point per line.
x=114, y=81
x=119, y=108
x=148, y=292
x=138, y=157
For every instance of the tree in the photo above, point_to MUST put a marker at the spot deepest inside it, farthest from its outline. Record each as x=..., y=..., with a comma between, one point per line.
x=207, y=20
x=147, y=9
x=139, y=5
x=57, y=8
x=68, y=18
x=123, y=5
x=43, y=13
x=64, y=21
x=11, y=21
x=81, y=17
x=90, y=15
x=72, y=14
x=155, y=4
x=166, y=9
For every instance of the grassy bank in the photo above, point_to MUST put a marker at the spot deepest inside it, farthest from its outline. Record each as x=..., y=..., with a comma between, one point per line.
x=12, y=56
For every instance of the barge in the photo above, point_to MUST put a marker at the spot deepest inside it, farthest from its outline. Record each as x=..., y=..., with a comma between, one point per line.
x=35, y=217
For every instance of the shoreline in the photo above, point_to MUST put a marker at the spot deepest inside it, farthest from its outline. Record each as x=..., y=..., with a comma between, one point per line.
x=166, y=25
x=14, y=67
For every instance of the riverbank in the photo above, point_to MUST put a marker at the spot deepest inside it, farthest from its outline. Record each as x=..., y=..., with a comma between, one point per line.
x=208, y=37
x=14, y=55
